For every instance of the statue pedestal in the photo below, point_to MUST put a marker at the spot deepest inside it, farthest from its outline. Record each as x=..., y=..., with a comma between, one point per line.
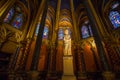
x=68, y=77
x=68, y=72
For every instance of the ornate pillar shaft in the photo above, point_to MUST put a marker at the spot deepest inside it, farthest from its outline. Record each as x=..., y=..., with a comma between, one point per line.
x=24, y=55
x=82, y=61
x=96, y=24
x=59, y=57
x=74, y=20
x=77, y=58
x=34, y=64
x=82, y=67
x=52, y=62
x=36, y=20
x=92, y=14
x=95, y=59
x=14, y=57
x=57, y=14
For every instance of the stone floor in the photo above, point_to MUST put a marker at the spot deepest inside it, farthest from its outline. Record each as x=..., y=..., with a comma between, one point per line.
x=68, y=77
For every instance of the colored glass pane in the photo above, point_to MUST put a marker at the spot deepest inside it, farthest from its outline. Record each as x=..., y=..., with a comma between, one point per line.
x=114, y=17
x=60, y=34
x=9, y=15
x=17, y=21
x=37, y=29
x=85, y=32
x=45, y=33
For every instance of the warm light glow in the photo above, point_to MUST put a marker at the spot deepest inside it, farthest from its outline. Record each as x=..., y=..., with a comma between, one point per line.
x=93, y=44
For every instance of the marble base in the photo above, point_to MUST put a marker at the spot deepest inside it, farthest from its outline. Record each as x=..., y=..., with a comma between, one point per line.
x=68, y=66
x=68, y=70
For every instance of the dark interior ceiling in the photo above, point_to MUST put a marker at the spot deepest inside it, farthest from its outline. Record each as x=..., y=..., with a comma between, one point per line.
x=65, y=4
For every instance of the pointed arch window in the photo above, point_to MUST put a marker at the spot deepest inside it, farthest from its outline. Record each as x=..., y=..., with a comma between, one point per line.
x=14, y=17
x=60, y=34
x=114, y=17
x=86, y=30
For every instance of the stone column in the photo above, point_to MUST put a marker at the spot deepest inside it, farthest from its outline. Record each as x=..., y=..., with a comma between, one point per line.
x=82, y=74
x=13, y=62
x=34, y=73
x=74, y=20
x=14, y=58
x=34, y=64
x=95, y=59
x=57, y=14
x=94, y=20
x=24, y=54
x=52, y=62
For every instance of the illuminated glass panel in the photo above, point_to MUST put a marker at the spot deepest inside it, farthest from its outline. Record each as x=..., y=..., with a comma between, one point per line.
x=9, y=15
x=17, y=21
x=37, y=29
x=60, y=34
x=114, y=17
x=85, y=32
x=45, y=33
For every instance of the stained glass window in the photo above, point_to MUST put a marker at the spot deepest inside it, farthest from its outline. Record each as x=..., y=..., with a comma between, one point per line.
x=9, y=15
x=85, y=31
x=114, y=17
x=60, y=34
x=45, y=33
x=14, y=17
x=37, y=29
x=17, y=21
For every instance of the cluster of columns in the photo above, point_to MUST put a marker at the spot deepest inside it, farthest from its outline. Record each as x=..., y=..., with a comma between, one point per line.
x=94, y=20
x=92, y=15
x=34, y=74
